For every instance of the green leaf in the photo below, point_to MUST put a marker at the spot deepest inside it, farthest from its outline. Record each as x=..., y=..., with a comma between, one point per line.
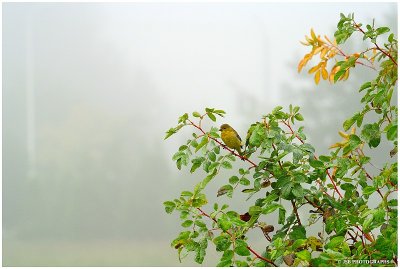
x=340, y=225
x=200, y=224
x=348, y=123
x=335, y=242
x=233, y=180
x=346, y=249
x=382, y=30
x=201, y=251
x=195, y=166
x=222, y=242
x=183, y=118
x=169, y=206
x=271, y=208
x=298, y=117
x=211, y=116
x=298, y=232
x=226, y=165
x=196, y=114
x=367, y=222
x=297, y=191
x=371, y=133
x=339, y=73
x=298, y=243
x=226, y=259
x=242, y=250
x=276, y=109
x=347, y=186
x=254, y=210
x=286, y=190
x=316, y=163
x=368, y=190
x=281, y=218
x=184, y=214
x=208, y=178
x=392, y=202
x=215, y=207
x=366, y=85
x=304, y=255
x=187, y=223
x=186, y=193
x=212, y=156
x=224, y=190
x=244, y=181
x=224, y=224
x=202, y=143
x=391, y=38
x=391, y=133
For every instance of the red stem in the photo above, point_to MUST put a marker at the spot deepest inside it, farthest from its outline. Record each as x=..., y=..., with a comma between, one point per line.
x=376, y=45
x=261, y=257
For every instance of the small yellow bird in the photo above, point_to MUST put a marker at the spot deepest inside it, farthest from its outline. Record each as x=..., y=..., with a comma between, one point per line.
x=231, y=138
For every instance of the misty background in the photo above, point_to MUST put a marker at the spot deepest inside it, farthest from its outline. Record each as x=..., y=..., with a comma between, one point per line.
x=89, y=90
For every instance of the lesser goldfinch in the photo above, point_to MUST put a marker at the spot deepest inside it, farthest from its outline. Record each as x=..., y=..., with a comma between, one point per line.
x=231, y=138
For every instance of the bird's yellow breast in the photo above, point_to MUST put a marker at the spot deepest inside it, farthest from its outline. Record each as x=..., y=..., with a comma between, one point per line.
x=230, y=139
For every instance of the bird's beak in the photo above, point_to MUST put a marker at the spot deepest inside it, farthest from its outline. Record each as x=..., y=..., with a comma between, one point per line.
x=220, y=129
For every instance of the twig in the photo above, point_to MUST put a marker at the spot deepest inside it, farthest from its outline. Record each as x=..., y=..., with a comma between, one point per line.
x=376, y=45
x=295, y=212
x=261, y=257
x=244, y=158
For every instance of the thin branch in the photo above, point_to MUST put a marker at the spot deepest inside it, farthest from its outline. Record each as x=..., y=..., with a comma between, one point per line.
x=261, y=257
x=376, y=45
x=295, y=212
x=244, y=158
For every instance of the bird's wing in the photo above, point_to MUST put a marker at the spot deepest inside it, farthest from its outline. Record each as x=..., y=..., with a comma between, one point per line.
x=237, y=135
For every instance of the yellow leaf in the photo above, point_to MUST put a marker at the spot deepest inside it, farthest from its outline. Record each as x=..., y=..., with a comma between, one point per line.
x=323, y=53
x=313, y=69
x=309, y=40
x=346, y=75
x=301, y=65
x=334, y=70
x=344, y=135
x=334, y=171
x=324, y=74
x=317, y=50
x=317, y=77
x=332, y=53
x=336, y=145
x=327, y=39
x=313, y=34
x=353, y=130
x=304, y=43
